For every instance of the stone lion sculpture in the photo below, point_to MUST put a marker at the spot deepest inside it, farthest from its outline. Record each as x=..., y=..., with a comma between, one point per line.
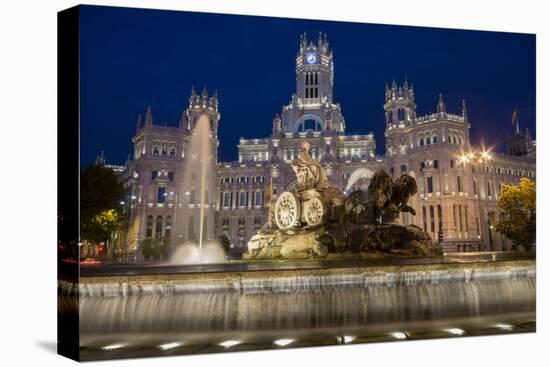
x=382, y=201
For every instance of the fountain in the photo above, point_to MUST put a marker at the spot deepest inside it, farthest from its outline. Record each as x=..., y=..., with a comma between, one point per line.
x=199, y=172
x=251, y=305
x=318, y=221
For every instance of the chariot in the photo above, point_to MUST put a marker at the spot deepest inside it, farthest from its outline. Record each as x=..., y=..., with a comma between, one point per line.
x=294, y=209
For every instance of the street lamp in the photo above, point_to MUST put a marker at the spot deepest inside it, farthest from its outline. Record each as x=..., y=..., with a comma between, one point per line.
x=481, y=157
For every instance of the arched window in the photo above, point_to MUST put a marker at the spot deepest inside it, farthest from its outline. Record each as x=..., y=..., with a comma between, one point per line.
x=390, y=117
x=149, y=226
x=455, y=218
x=158, y=227
x=242, y=198
x=424, y=219
x=460, y=210
x=401, y=114
x=168, y=227
x=428, y=140
x=173, y=151
x=434, y=139
x=439, y=219
x=309, y=125
x=403, y=168
x=421, y=142
x=432, y=219
x=257, y=198
x=161, y=194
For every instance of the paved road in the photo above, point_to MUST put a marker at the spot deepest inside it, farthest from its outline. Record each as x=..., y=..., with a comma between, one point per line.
x=237, y=266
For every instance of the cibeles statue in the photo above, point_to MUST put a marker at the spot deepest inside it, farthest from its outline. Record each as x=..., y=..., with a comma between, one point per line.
x=310, y=174
x=313, y=220
x=312, y=202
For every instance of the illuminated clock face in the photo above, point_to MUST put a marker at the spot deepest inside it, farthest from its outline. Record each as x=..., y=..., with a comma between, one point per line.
x=311, y=58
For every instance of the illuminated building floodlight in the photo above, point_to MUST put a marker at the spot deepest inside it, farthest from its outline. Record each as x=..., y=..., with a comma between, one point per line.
x=283, y=342
x=229, y=343
x=113, y=346
x=455, y=331
x=170, y=345
x=399, y=335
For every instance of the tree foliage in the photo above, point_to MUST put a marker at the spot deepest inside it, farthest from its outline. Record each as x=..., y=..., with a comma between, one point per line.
x=100, y=194
x=154, y=248
x=225, y=243
x=98, y=229
x=518, y=206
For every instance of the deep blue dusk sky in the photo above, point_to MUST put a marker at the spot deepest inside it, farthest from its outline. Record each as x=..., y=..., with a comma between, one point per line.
x=131, y=58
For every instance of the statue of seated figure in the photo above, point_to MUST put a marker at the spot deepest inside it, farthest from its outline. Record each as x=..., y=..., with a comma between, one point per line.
x=309, y=173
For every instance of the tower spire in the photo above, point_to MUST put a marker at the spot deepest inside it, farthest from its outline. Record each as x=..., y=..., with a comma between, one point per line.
x=182, y=120
x=515, y=120
x=441, y=105
x=464, y=111
x=149, y=116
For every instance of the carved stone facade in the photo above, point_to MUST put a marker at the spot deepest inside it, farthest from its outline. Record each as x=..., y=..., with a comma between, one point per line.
x=458, y=184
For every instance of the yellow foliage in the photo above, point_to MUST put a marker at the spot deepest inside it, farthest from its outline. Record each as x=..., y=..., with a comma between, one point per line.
x=518, y=206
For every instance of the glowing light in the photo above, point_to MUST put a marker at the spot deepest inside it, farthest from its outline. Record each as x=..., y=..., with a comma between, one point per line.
x=348, y=339
x=455, y=331
x=229, y=343
x=283, y=342
x=170, y=345
x=504, y=326
x=187, y=193
x=122, y=203
x=463, y=159
x=112, y=346
x=399, y=335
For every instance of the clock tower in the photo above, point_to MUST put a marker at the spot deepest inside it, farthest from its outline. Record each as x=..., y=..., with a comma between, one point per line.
x=314, y=71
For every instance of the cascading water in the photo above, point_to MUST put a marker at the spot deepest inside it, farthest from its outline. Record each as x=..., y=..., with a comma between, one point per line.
x=198, y=177
x=256, y=303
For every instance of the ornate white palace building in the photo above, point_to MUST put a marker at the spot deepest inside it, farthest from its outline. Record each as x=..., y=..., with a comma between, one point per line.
x=458, y=184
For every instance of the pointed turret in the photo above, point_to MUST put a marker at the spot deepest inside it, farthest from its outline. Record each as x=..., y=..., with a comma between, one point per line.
x=303, y=41
x=276, y=125
x=464, y=111
x=100, y=159
x=183, y=120
x=441, y=105
x=149, y=117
